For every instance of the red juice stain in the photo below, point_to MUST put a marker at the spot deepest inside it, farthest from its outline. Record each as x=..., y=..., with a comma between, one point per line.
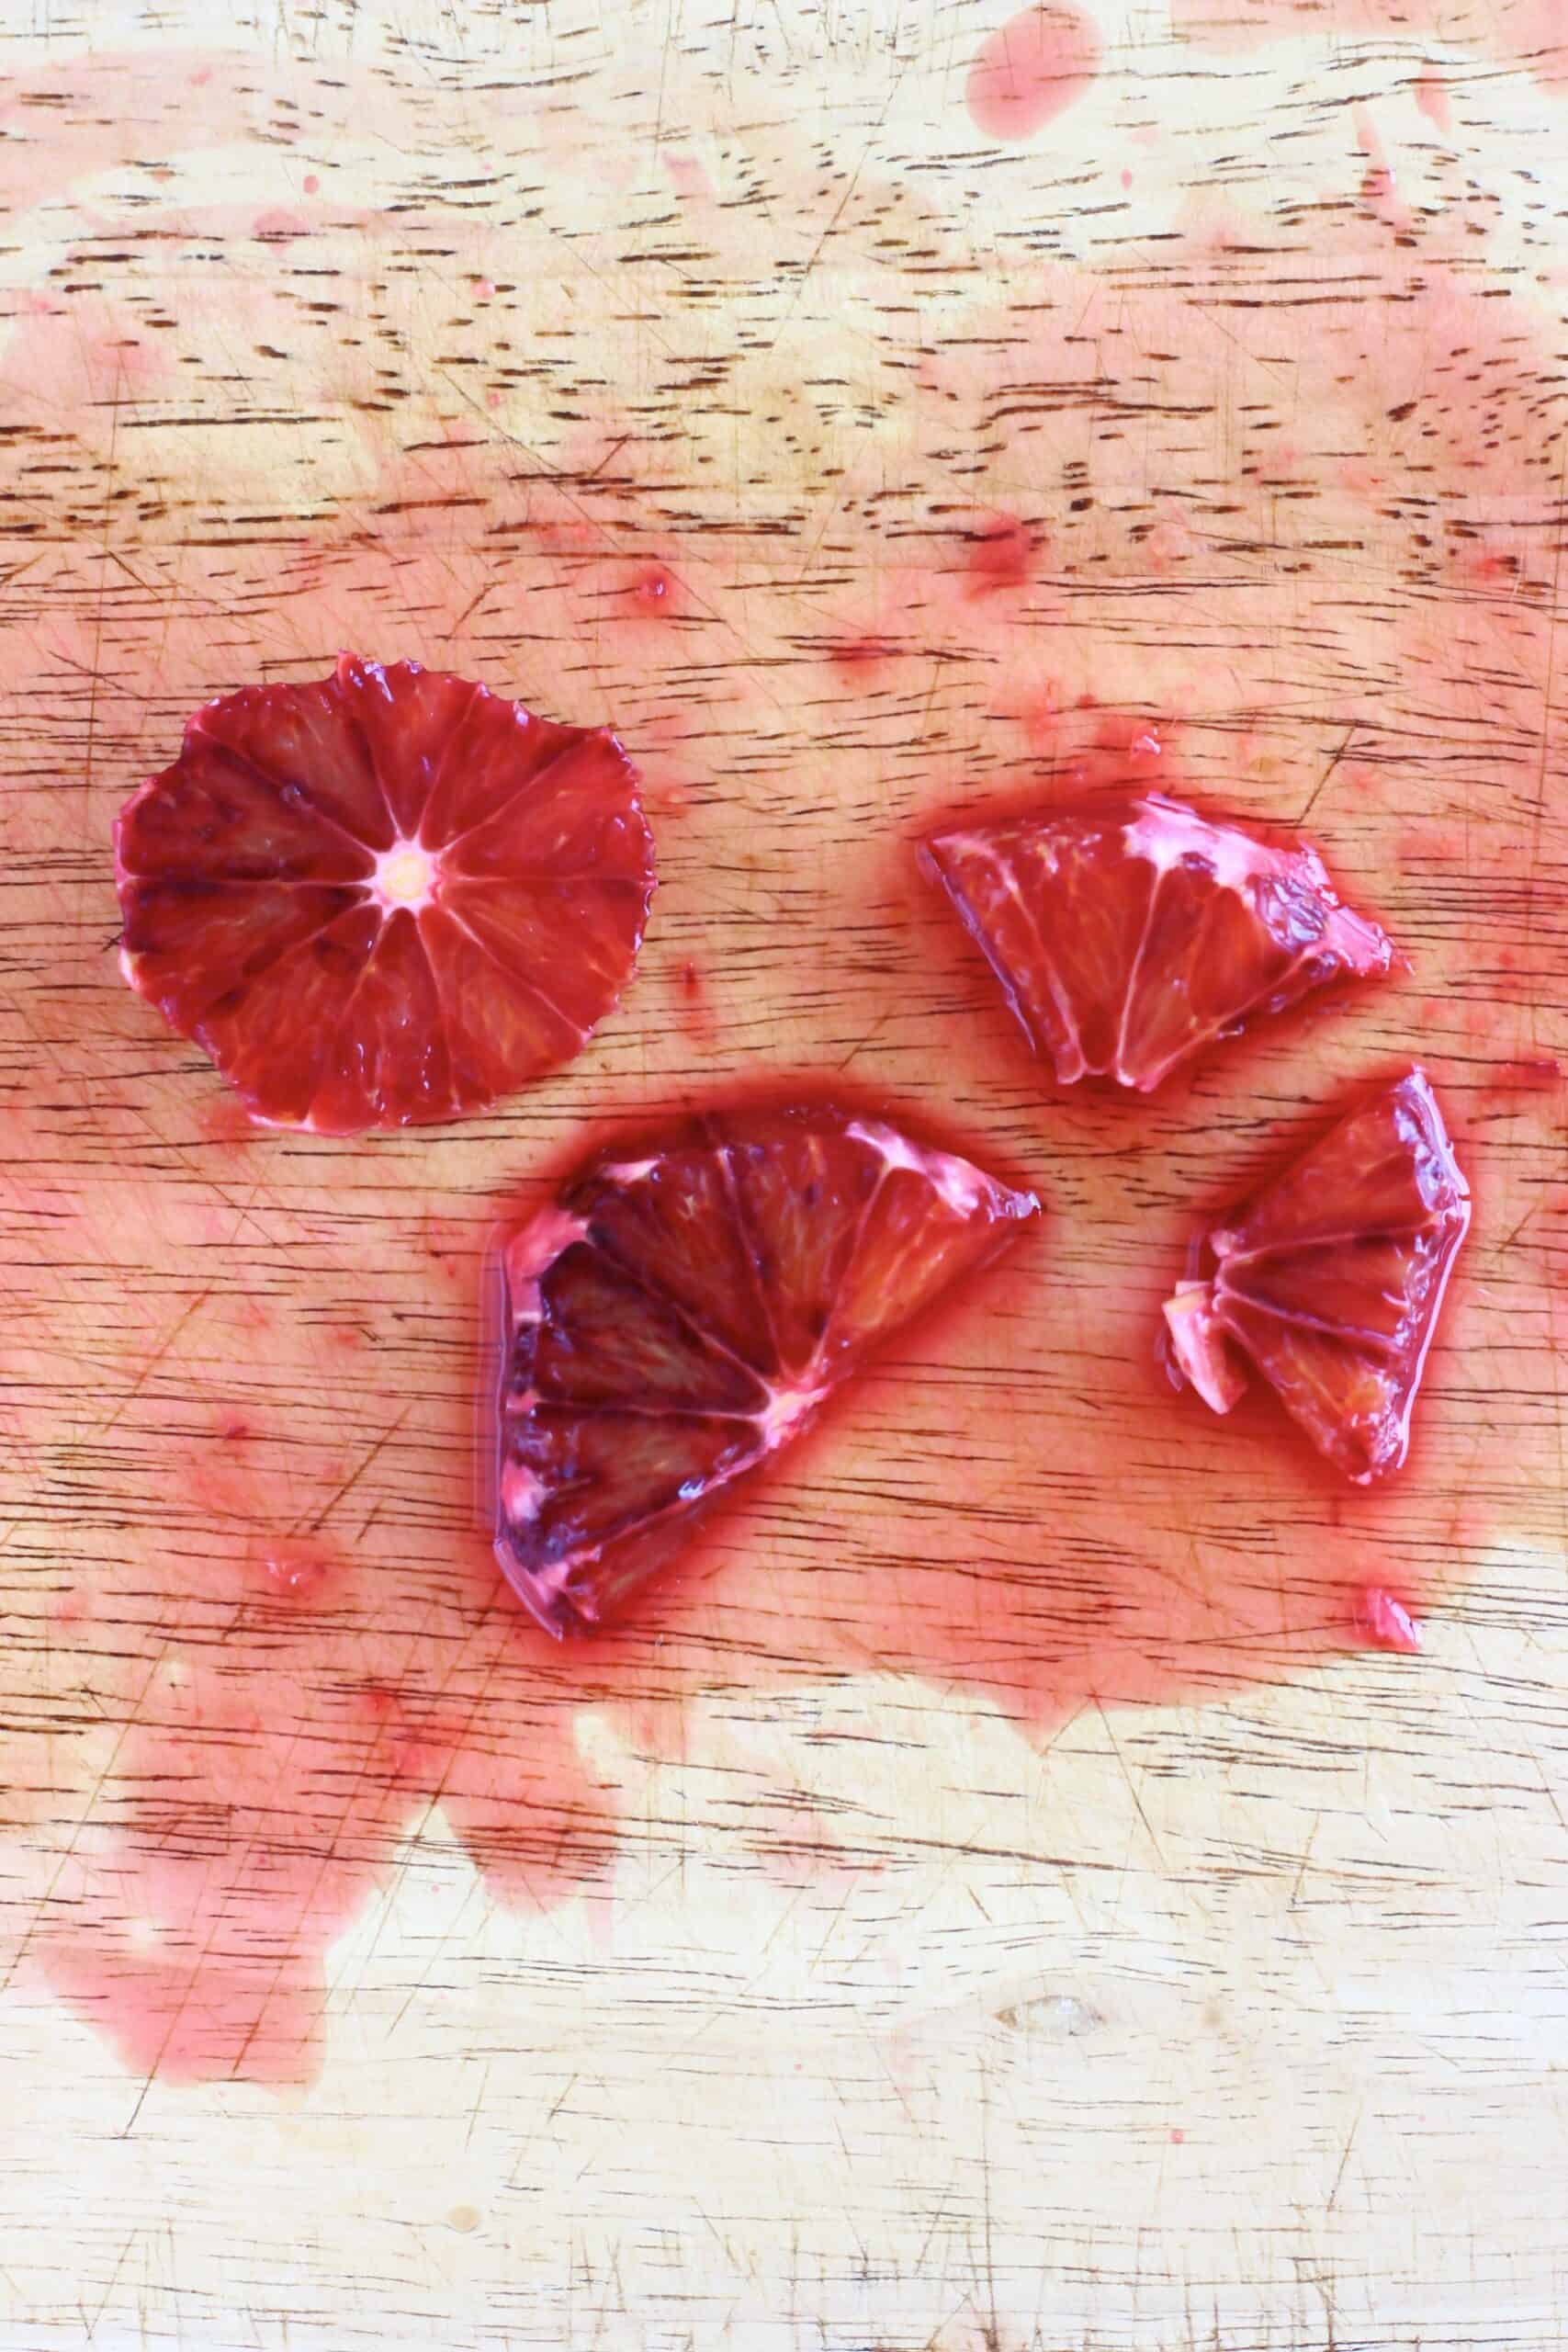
x=1015, y=1511
x=1529, y=1074
x=1030, y=70
x=686, y=175
x=1040, y=714
x=1448, y=404
x=312, y=185
x=1432, y=97
x=225, y=1120
x=696, y=1010
x=1083, y=752
x=1530, y=33
x=795, y=1845
x=296, y=1571
x=857, y=654
x=1129, y=735
x=1491, y=565
x=90, y=350
x=1428, y=848
x=653, y=591
x=1378, y=189
x=99, y=111
x=291, y=1706
x=290, y=1712
x=1000, y=555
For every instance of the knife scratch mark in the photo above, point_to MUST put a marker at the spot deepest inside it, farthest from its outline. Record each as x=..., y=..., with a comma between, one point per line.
x=314, y=1526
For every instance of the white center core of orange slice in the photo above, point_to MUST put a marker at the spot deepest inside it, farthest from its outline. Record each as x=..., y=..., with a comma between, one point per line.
x=404, y=876
x=784, y=1411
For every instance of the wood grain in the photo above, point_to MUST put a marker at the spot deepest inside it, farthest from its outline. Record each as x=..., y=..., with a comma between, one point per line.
x=993, y=1905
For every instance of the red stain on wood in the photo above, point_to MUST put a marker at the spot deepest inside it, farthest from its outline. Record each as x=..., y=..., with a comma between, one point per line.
x=277, y=223
x=225, y=1120
x=964, y=1521
x=1001, y=555
x=1528, y=1074
x=1530, y=33
x=855, y=654
x=653, y=590
x=686, y=175
x=1030, y=70
x=323, y=1694
x=1432, y=97
x=295, y=1571
x=696, y=1008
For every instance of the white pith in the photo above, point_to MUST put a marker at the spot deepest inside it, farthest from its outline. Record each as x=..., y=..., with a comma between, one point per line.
x=405, y=876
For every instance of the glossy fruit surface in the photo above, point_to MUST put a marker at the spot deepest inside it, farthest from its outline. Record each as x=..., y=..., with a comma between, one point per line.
x=385, y=897
x=671, y=1320
x=1330, y=1284
x=1128, y=932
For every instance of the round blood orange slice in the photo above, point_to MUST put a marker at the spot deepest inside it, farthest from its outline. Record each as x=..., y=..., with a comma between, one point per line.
x=384, y=898
x=674, y=1320
x=1128, y=932
x=1331, y=1282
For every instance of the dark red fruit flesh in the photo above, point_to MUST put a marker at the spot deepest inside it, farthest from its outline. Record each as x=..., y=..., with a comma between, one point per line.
x=1331, y=1282
x=672, y=1320
x=1129, y=931
x=383, y=899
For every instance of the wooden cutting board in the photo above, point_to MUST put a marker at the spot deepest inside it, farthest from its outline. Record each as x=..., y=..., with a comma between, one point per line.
x=995, y=1898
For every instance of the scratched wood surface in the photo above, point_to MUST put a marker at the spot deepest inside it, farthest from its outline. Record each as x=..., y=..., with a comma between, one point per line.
x=1000, y=1905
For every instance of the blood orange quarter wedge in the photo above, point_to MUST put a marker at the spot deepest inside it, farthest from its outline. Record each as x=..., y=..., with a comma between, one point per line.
x=672, y=1320
x=385, y=897
x=1129, y=931
x=1330, y=1284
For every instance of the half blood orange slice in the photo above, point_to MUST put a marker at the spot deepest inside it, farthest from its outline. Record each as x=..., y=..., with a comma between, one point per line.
x=1331, y=1282
x=385, y=897
x=674, y=1320
x=1127, y=932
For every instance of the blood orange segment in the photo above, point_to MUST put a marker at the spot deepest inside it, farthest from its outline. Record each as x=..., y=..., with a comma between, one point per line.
x=1128, y=932
x=1331, y=1284
x=674, y=1320
x=385, y=897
